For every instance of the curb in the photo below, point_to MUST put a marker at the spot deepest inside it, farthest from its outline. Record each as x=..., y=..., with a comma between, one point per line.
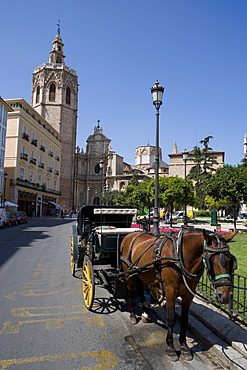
x=222, y=337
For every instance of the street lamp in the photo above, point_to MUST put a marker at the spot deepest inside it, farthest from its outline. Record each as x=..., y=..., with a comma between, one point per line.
x=185, y=157
x=4, y=188
x=157, y=94
x=101, y=166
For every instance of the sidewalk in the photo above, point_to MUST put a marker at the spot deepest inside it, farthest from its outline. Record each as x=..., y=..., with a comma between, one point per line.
x=223, y=338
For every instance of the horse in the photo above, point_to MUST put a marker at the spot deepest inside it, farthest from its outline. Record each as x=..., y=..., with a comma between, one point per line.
x=174, y=264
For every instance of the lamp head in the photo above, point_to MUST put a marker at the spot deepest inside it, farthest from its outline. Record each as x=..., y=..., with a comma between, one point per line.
x=157, y=94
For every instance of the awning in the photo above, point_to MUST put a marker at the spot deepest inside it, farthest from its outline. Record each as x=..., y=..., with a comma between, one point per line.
x=55, y=204
x=41, y=201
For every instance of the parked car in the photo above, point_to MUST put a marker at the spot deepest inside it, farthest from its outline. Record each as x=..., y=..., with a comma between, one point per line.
x=21, y=217
x=3, y=218
x=179, y=215
x=142, y=217
x=11, y=219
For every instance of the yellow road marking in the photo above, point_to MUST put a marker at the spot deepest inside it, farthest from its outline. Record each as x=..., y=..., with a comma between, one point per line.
x=105, y=360
x=42, y=311
x=13, y=327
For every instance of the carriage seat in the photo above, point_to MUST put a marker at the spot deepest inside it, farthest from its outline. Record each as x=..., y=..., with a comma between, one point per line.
x=107, y=239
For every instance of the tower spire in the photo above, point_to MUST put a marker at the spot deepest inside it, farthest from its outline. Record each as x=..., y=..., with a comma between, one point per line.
x=58, y=27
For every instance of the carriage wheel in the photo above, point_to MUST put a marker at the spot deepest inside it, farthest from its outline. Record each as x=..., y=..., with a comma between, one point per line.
x=88, y=286
x=72, y=258
x=156, y=293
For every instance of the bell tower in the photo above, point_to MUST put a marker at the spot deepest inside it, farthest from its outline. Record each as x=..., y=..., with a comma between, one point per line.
x=55, y=97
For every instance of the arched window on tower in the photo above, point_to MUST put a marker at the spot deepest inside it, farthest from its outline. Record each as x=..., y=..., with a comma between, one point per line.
x=68, y=95
x=58, y=60
x=37, y=94
x=52, y=92
x=145, y=158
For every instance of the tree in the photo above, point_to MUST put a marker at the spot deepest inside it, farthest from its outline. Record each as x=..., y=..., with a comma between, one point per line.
x=229, y=183
x=173, y=192
x=111, y=197
x=203, y=169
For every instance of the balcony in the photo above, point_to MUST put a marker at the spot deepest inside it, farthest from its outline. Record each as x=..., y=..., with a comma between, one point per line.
x=42, y=148
x=33, y=161
x=50, y=153
x=41, y=165
x=34, y=142
x=31, y=185
x=56, y=172
x=24, y=156
x=49, y=169
x=57, y=158
x=25, y=136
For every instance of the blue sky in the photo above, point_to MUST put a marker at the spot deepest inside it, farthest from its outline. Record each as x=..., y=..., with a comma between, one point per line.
x=195, y=48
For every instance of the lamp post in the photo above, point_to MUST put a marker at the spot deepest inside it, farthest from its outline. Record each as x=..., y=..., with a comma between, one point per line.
x=185, y=157
x=101, y=166
x=4, y=188
x=157, y=94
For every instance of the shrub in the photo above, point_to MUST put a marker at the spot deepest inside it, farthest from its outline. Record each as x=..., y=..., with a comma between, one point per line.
x=202, y=214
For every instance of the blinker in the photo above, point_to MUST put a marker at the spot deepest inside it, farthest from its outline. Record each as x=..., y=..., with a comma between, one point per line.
x=223, y=260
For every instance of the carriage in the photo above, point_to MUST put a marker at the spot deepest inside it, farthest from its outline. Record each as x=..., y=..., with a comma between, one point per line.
x=95, y=243
x=104, y=245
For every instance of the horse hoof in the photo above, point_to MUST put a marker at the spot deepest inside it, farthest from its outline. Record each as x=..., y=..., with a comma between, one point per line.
x=186, y=354
x=145, y=318
x=133, y=320
x=172, y=354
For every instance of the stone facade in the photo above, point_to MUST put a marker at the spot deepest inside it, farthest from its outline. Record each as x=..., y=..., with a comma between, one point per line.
x=55, y=97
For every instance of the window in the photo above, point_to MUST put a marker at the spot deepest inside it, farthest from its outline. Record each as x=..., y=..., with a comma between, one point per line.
x=52, y=92
x=55, y=185
x=97, y=168
x=23, y=149
x=24, y=130
x=22, y=171
x=39, y=180
x=31, y=154
x=48, y=183
x=30, y=178
x=1, y=112
x=33, y=136
x=144, y=157
x=3, y=137
x=68, y=95
x=37, y=94
x=2, y=159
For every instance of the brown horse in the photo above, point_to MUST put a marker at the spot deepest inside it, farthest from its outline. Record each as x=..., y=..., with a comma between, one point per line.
x=174, y=264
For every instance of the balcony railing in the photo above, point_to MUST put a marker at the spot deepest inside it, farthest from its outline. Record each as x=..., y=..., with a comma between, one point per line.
x=41, y=165
x=25, y=136
x=24, y=156
x=56, y=172
x=42, y=148
x=49, y=169
x=34, y=142
x=36, y=186
x=50, y=153
x=33, y=161
x=57, y=158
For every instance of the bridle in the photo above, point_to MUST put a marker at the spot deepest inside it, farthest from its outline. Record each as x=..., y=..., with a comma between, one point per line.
x=223, y=251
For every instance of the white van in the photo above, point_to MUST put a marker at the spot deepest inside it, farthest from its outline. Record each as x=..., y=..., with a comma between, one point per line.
x=3, y=217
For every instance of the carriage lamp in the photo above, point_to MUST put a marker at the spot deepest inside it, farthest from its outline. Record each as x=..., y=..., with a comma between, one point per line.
x=157, y=94
x=4, y=189
x=185, y=158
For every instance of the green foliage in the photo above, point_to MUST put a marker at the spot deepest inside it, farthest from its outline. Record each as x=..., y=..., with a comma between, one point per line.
x=210, y=202
x=204, y=167
x=203, y=213
x=111, y=197
x=229, y=183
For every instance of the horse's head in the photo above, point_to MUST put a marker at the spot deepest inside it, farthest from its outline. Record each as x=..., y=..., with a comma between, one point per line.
x=220, y=264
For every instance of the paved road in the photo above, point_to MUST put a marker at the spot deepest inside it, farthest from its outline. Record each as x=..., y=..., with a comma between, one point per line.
x=45, y=325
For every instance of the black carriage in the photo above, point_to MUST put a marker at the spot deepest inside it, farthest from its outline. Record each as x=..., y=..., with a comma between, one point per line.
x=95, y=241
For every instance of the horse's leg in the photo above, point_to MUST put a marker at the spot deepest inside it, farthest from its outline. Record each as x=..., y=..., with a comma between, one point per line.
x=145, y=305
x=130, y=287
x=170, y=309
x=185, y=350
